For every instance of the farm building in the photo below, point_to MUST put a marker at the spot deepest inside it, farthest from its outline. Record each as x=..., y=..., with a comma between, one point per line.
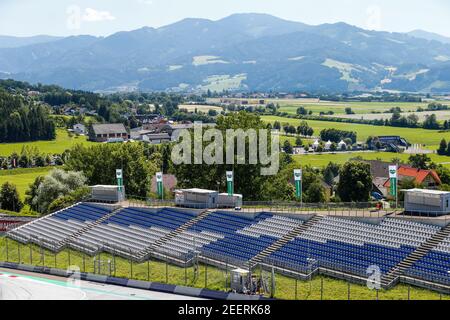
x=108, y=132
x=79, y=128
x=427, y=201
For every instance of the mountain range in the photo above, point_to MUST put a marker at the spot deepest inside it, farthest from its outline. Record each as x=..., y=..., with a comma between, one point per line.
x=243, y=52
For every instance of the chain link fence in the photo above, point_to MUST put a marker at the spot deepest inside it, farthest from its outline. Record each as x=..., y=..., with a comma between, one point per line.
x=198, y=271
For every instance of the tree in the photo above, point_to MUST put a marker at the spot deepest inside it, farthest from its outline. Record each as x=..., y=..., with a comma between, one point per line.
x=99, y=163
x=277, y=125
x=333, y=147
x=302, y=111
x=9, y=198
x=32, y=192
x=442, y=147
x=58, y=183
x=287, y=147
x=315, y=193
x=248, y=179
x=419, y=161
x=335, y=135
x=431, y=122
x=355, y=182
x=349, y=110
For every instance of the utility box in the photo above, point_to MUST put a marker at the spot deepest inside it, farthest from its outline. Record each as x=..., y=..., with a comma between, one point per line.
x=227, y=201
x=429, y=202
x=196, y=198
x=240, y=281
x=108, y=193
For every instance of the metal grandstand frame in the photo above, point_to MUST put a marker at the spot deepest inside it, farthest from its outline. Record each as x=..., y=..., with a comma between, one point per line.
x=361, y=210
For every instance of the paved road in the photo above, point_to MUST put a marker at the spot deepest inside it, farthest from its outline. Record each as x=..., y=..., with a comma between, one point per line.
x=18, y=285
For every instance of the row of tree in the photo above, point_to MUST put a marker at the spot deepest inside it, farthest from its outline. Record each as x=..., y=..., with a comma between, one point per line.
x=23, y=121
x=336, y=135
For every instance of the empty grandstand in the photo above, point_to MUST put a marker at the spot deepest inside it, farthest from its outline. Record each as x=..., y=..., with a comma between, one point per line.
x=303, y=244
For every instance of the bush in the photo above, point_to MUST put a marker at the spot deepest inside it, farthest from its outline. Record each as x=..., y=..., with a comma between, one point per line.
x=9, y=198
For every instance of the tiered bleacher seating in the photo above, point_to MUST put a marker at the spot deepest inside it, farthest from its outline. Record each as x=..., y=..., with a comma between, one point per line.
x=133, y=229
x=241, y=238
x=335, y=243
x=62, y=224
x=435, y=266
x=353, y=246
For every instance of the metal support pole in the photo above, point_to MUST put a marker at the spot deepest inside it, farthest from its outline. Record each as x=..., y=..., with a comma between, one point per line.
x=206, y=275
x=84, y=262
x=272, y=285
x=68, y=253
x=18, y=251
x=42, y=255
x=54, y=257
x=296, y=288
x=167, y=271
x=226, y=274
x=31, y=254
x=148, y=270
x=114, y=260
x=321, y=288
x=131, y=268
x=348, y=291
x=7, y=250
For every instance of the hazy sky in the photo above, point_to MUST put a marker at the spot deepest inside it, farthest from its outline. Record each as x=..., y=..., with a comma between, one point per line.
x=103, y=17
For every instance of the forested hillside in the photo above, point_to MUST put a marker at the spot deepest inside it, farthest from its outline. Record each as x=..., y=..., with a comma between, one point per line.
x=22, y=121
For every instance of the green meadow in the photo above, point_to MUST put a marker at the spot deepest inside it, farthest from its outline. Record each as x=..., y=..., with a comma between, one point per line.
x=321, y=160
x=413, y=135
x=62, y=142
x=290, y=106
x=22, y=178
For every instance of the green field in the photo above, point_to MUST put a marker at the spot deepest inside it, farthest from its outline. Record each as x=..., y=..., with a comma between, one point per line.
x=22, y=178
x=62, y=142
x=321, y=160
x=291, y=106
x=209, y=277
x=415, y=136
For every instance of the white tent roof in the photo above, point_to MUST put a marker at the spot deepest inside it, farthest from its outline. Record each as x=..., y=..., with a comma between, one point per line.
x=328, y=143
x=342, y=143
x=316, y=143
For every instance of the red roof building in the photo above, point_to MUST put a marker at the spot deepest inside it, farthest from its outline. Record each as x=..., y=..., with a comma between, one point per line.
x=425, y=178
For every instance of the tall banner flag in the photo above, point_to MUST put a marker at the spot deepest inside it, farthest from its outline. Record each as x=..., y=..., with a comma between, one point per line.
x=119, y=176
x=159, y=184
x=298, y=183
x=230, y=187
x=393, y=180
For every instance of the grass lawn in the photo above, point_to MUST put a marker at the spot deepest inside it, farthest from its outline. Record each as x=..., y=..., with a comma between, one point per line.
x=415, y=136
x=22, y=178
x=290, y=106
x=321, y=160
x=199, y=107
x=62, y=142
x=209, y=277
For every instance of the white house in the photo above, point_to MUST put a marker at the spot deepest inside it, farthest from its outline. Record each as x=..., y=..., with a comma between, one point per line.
x=316, y=144
x=79, y=128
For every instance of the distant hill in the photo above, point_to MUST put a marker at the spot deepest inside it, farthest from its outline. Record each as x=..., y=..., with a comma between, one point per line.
x=429, y=36
x=15, y=42
x=241, y=52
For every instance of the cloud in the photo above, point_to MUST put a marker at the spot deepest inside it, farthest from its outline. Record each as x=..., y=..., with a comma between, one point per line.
x=148, y=2
x=92, y=15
